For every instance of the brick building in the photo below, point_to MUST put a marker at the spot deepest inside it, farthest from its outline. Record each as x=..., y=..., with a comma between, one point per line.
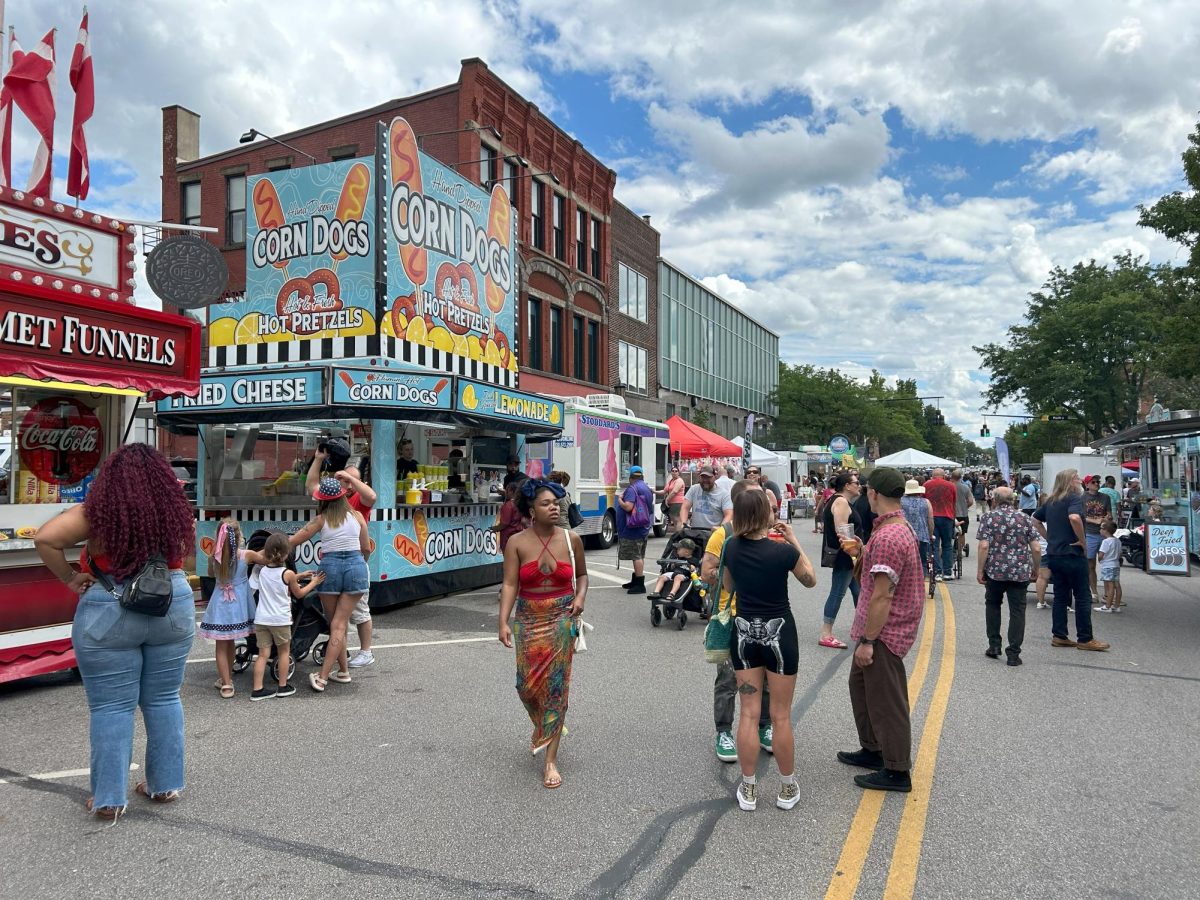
x=486, y=131
x=633, y=312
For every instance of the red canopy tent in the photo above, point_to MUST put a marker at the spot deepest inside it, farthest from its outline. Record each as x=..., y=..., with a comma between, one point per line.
x=691, y=441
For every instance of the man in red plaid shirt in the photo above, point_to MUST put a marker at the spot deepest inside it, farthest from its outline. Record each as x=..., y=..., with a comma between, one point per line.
x=885, y=627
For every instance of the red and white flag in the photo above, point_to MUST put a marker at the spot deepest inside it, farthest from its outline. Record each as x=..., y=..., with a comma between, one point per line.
x=6, y=114
x=31, y=82
x=78, y=173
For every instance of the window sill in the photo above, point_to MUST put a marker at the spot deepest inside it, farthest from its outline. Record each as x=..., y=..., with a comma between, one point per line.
x=632, y=318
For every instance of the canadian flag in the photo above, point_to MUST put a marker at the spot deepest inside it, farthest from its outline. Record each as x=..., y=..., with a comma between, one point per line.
x=6, y=114
x=31, y=82
x=78, y=174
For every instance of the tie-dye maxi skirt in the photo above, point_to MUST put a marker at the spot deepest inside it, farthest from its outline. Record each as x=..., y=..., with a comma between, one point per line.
x=544, y=637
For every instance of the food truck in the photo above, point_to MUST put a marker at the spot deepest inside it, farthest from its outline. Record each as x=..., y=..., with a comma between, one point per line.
x=76, y=357
x=600, y=440
x=380, y=307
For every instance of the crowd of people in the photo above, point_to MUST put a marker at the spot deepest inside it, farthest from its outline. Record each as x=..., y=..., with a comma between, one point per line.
x=879, y=536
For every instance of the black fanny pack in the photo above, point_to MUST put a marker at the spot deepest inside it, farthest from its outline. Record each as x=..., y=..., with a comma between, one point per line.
x=148, y=591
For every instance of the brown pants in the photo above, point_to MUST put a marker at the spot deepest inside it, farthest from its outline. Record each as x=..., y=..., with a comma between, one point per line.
x=879, y=696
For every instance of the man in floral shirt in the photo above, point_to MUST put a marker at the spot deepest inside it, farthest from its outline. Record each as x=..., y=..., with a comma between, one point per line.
x=885, y=626
x=1009, y=556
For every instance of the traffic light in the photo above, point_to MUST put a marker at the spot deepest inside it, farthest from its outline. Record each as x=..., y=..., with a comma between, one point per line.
x=984, y=431
x=1025, y=430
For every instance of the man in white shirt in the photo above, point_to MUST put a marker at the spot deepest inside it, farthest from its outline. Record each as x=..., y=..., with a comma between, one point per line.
x=726, y=481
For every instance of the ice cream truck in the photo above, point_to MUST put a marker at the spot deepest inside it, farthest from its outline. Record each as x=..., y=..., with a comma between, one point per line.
x=600, y=440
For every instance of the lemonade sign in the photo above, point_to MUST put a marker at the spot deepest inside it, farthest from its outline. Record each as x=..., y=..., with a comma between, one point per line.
x=451, y=257
x=502, y=403
x=310, y=257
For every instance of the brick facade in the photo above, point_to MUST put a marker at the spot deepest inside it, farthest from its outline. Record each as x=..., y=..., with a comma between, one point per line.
x=636, y=245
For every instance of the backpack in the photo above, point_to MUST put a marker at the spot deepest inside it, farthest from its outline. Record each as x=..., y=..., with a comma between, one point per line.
x=640, y=517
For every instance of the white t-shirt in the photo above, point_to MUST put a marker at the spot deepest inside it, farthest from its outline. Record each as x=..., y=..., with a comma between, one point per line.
x=274, y=598
x=1110, y=552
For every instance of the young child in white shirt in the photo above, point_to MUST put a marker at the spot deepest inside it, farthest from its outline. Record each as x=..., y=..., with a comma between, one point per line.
x=1108, y=568
x=273, y=617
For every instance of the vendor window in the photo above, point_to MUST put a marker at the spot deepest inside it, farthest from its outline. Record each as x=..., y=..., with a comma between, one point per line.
x=264, y=465
x=556, y=340
x=54, y=445
x=631, y=454
x=534, y=349
x=190, y=203
x=560, y=227
x=538, y=215
x=235, y=209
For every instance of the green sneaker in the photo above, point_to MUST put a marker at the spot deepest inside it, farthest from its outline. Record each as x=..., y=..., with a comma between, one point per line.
x=726, y=748
x=766, y=737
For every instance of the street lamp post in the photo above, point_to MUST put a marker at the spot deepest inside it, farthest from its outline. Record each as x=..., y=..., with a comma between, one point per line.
x=254, y=133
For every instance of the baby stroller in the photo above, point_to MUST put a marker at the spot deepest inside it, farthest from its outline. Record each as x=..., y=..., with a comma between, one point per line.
x=308, y=623
x=693, y=595
x=1133, y=547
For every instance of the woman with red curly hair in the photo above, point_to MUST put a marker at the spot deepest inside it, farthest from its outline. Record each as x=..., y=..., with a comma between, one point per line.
x=135, y=509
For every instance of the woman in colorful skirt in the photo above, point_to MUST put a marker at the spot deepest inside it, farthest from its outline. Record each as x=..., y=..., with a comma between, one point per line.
x=545, y=577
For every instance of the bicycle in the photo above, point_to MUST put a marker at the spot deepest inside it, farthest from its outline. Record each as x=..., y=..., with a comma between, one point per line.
x=960, y=543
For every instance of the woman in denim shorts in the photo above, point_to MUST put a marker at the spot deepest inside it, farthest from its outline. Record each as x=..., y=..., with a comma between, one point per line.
x=345, y=547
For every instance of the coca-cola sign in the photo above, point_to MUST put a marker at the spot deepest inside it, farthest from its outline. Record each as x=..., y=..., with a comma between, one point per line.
x=60, y=440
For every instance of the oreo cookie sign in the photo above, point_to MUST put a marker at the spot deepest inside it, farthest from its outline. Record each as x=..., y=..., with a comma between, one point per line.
x=1167, y=549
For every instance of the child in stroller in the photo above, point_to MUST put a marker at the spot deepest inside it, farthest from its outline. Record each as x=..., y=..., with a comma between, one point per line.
x=308, y=621
x=681, y=570
x=676, y=571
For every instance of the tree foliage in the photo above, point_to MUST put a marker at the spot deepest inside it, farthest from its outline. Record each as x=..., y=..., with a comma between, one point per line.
x=1088, y=345
x=1176, y=216
x=815, y=404
x=1027, y=443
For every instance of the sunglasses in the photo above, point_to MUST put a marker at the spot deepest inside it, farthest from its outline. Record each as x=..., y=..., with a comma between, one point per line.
x=753, y=472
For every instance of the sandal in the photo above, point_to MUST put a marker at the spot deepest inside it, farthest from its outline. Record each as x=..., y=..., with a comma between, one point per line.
x=103, y=812
x=160, y=797
x=226, y=691
x=550, y=784
x=317, y=682
x=831, y=642
x=340, y=677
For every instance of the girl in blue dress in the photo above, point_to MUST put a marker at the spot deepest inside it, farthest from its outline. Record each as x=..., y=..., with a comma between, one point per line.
x=230, y=612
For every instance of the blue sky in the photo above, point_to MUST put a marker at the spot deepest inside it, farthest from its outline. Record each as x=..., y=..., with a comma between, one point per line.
x=822, y=165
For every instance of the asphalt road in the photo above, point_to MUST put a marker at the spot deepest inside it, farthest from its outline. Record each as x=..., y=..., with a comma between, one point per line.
x=1074, y=775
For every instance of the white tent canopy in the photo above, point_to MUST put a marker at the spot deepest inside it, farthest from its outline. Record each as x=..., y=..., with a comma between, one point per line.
x=913, y=459
x=759, y=456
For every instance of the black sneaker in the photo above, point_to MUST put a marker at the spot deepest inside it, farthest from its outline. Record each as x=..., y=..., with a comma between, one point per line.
x=285, y=690
x=1014, y=660
x=885, y=780
x=264, y=693
x=867, y=759
x=992, y=652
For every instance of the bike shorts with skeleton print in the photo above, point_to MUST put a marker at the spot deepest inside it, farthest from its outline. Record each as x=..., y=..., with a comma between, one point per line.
x=769, y=644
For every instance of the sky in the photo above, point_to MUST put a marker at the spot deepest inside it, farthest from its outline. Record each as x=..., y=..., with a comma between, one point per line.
x=881, y=183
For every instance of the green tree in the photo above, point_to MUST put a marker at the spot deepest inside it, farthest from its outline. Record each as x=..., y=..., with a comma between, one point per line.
x=1088, y=344
x=1041, y=437
x=701, y=416
x=1177, y=215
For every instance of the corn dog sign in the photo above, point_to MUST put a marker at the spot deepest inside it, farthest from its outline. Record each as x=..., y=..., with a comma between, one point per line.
x=310, y=257
x=451, y=257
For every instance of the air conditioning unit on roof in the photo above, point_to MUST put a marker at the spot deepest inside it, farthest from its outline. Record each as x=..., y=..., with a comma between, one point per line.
x=611, y=402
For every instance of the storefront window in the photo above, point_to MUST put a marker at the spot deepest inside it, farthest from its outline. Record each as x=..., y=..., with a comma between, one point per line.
x=593, y=352
x=556, y=340
x=53, y=444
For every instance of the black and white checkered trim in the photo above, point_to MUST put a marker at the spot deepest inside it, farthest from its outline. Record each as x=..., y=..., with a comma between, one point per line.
x=271, y=352
x=424, y=357
x=296, y=514
x=436, y=511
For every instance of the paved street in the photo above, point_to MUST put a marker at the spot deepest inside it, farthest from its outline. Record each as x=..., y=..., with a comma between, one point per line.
x=1072, y=776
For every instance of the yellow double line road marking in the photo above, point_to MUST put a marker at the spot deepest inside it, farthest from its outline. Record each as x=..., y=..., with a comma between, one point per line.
x=906, y=854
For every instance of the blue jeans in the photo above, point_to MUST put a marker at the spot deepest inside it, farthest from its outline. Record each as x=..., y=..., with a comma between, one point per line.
x=943, y=545
x=128, y=660
x=842, y=578
x=925, y=549
x=1069, y=574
